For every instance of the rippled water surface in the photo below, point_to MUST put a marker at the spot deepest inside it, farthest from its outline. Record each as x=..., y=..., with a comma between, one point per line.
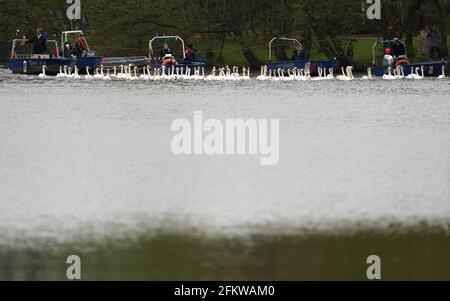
x=86, y=163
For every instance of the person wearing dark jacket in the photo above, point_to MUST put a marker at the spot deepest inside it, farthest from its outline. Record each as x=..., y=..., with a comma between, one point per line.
x=165, y=51
x=299, y=54
x=67, y=51
x=398, y=49
x=78, y=50
x=166, y=55
x=39, y=42
x=190, y=54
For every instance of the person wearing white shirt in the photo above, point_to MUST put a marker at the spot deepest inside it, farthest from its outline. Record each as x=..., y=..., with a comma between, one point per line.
x=388, y=60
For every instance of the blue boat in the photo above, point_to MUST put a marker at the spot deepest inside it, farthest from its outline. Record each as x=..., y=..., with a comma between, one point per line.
x=425, y=68
x=89, y=57
x=156, y=63
x=26, y=63
x=311, y=65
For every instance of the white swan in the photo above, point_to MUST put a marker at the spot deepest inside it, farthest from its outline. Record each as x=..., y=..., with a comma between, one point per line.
x=66, y=72
x=389, y=76
x=330, y=74
x=98, y=75
x=417, y=75
x=442, y=76
x=246, y=76
x=114, y=75
x=121, y=75
x=61, y=74
x=301, y=75
x=276, y=75
x=399, y=72
x=143, y=76
x=76, y=75
x=321, y=76
x=212, y=76
x=263, y=75
x=107, y=76
x=411, y=75
x=347, y=74
x=88, y=76
x=134, y=77
x=350, y=73
x=156, y=75
x=69, y=72
x=43, y=75
x=369, y=74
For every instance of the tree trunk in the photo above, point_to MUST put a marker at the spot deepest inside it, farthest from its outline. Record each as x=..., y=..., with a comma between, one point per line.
x=443, y=25
x=220, y=58
x=411, y=26
x=247, y=51
x=251, y=59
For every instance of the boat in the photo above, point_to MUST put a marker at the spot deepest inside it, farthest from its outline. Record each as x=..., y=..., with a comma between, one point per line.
x=156, y=63
x=32, y=64
x=311, y=65
x=427, y=68
x=134, y=61
x=88, y=59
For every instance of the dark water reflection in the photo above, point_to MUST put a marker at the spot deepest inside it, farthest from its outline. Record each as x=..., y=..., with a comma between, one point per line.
x=414, y=254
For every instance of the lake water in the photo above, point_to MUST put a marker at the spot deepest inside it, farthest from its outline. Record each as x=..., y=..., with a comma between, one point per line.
x=86, y=168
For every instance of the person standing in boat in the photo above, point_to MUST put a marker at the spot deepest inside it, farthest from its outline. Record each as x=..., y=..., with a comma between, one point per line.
x=39, y=42
x=191, y=53
x=83, y=43
x=398, y=49
x=67, y=51
x=78, y=50
x=299, y=54
x=388, y=60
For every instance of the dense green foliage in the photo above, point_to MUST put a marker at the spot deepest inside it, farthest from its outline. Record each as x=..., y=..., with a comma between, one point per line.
x=123, y=27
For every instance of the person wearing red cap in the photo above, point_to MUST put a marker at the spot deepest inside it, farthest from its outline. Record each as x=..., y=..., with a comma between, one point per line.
x=388, y=60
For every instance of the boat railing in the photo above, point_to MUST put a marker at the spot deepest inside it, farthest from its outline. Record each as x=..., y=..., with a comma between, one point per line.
x=283, y=39
x=65, y=37
x=150, y=45
x=15, y=55
x=384, y=42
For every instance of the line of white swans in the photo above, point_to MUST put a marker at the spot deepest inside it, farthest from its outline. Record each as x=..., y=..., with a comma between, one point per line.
x=228, y=74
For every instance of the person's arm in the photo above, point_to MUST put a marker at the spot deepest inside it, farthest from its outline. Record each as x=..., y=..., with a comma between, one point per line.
x=28, y=41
